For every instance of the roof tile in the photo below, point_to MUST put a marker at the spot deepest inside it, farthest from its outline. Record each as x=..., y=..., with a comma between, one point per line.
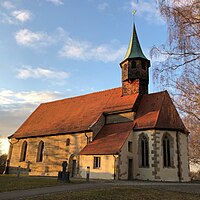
x=73, y=114
x=109, y=140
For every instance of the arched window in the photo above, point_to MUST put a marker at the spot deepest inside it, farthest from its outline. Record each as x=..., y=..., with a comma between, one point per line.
x=133, y=64
x=67, y=142
x=40, y=151
x=144, y=151
x=23, y=151
x=167, y=157
x=143, y=65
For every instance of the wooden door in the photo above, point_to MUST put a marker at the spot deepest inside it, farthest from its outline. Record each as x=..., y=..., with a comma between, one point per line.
x=130, y=169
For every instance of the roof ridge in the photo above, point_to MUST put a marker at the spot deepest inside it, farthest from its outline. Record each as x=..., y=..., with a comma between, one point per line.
x=88, y=94
x=164, y=91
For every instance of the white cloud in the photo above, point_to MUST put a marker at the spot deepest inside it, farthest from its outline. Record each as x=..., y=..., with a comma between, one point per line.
x=56, y=2
x=15, y=17
x=102, y=6
x=8, y=5
x=22, y=15
x=9, y=98
x=72, y=49
x=30, y=72
x=147, y=10
x=4, y=145
x=6, y=19
x=32, y=39
x=86, y=51
x=17, y=106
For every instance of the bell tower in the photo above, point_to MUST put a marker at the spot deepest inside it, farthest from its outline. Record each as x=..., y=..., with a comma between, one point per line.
x=135, y=69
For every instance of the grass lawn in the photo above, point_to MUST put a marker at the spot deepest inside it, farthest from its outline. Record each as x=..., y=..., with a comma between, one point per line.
x=9, y=183
x=119, y=193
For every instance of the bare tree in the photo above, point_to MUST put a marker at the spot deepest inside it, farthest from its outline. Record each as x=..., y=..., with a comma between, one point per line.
x=183, y=20
x=180, y=71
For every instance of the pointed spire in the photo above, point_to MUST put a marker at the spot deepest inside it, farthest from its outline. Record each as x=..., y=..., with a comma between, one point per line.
x=134, y=48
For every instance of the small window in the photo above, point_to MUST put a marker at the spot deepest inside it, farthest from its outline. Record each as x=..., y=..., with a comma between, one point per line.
x=40, y=151
x=130, y=146
x=97, y=162
x=133, y=64
x=23, y=152
x=67, y=142
x=144, y=65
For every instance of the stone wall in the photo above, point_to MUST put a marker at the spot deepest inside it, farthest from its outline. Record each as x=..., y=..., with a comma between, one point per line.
x=125, y=155
x=55, y=152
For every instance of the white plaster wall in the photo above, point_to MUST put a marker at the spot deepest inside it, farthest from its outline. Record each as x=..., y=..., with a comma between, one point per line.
x=163, y=173
x=184, y=156
x=140, y=172
x=106, y=170
x=168, y=173
x=123, y=158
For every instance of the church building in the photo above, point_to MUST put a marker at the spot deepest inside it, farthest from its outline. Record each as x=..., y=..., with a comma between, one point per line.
x=120, y=133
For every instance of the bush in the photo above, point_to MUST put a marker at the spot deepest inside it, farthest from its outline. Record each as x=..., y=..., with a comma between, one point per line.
x=3, y=159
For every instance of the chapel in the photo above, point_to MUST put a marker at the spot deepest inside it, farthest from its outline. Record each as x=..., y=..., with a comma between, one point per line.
x=120, y=133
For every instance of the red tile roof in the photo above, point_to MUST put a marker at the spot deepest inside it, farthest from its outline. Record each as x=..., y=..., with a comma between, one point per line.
x=79, y=113
x=109, y=140
x=155, y=111
x=158, y=111
x=73, y=114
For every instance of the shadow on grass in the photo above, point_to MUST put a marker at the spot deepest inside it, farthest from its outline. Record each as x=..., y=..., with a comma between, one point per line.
x=118, y=193
x=11, y=182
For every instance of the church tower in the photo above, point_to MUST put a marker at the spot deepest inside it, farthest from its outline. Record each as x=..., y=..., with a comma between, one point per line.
x=135, y=69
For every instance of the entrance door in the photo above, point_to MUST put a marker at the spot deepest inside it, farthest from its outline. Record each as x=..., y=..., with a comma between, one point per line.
x=130, y=169
x=73, y=168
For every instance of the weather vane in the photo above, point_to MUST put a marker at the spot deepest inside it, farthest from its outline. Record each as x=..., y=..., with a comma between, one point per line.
x=134, y=12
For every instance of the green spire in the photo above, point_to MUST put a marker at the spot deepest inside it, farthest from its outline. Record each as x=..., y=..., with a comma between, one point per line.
x=134, y=49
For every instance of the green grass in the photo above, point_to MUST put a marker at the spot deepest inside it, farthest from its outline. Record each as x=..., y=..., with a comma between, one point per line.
x=9, y=183
x=119, y=193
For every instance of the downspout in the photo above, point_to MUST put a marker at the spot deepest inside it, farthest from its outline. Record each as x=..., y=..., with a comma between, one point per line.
x=86, y=137
x=178, y=156
x=115, y=158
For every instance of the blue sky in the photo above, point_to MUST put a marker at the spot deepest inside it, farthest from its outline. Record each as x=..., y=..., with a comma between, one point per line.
x=52, y=49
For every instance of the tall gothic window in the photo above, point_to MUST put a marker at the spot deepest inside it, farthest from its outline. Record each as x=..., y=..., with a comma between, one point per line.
x=167, y=157
x=23, y=151
x=144, y=151
x=40, y=151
